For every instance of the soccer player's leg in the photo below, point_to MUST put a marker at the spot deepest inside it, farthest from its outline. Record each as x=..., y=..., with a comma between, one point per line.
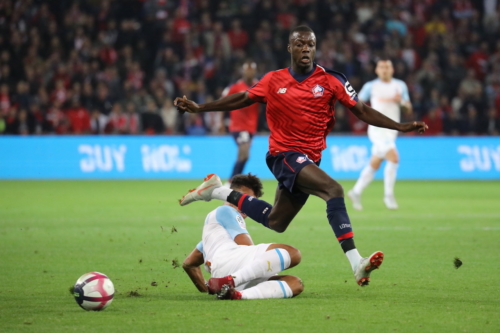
x=275, y=259
x=390, y=172
x=286, y=207
x=294, y=283
x=313, y=180
x=286, y=204
x=288, y=201
x=278, y=286
x=276, y=217
x=366, y=176
x=243, y=140
x=204, y=191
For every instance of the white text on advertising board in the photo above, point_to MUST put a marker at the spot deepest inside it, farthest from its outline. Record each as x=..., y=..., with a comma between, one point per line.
x=480, y=158
x=165, y=158
x=349, y=158
x=102, y=157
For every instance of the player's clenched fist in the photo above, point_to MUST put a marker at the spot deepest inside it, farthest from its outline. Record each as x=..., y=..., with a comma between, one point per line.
x=418, y=126
x=185, y=105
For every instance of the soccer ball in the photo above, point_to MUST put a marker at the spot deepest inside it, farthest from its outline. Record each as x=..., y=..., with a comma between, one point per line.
x=94, y=291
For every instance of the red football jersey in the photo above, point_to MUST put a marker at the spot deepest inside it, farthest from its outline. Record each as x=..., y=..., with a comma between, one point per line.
x=300, y=108
x=245, y=119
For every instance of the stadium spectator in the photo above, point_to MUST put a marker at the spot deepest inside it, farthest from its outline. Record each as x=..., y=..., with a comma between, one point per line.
x=493, y=122
x=452, y=124
x=194, y=124
x=133, y=120
x=103, y=52
x=103, y=100
x=453, y=75
x=151, y=121
x=79, y=118
x=395, y=24
x=434, y=119
x=98, y=122
x=11, y=121
x=217, y=39
x=56, y=120
x=170, y=116
x=117, y=120
x=472, y=123
x=435, y=26
x=4, y=98
x=469, y=85
x=36, y=120
x=237, y=36
x=478, y=61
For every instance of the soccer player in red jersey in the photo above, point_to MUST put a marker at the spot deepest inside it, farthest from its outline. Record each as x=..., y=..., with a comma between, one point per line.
x=300, y=113
x=243, y=121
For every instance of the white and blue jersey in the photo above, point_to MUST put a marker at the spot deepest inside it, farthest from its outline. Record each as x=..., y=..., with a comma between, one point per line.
x=380, y=93
x=222, y=225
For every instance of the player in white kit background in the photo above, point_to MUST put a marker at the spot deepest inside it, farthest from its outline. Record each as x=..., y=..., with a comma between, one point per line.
x=240, y=269
x=389, y=96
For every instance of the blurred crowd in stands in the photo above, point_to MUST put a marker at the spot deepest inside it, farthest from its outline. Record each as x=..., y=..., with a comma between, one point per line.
x=114, y=67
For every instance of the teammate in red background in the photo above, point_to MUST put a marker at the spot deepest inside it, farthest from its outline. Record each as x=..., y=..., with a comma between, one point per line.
x=243, y=121
x=300, y=113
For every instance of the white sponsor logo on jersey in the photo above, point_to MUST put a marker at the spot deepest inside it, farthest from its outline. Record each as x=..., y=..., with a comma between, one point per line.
x=240, y=221
x=281, y=90
x=349, y=89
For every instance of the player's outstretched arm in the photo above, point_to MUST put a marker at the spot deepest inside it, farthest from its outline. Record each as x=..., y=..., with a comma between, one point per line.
x=375, y=118
x=192, y=265
x=228, y=103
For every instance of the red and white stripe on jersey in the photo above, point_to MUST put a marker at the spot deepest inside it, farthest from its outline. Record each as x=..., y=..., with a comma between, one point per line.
x=245, y=119
x=301, y=114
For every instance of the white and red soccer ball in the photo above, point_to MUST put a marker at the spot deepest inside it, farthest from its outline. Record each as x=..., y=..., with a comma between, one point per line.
x=94, y=291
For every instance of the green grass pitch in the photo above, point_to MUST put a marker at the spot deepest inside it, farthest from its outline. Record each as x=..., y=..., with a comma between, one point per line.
x=51, y=232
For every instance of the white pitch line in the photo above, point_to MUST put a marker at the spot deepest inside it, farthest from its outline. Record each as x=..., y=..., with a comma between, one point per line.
x=439, y=216
x=102, y=219
x=401, y=228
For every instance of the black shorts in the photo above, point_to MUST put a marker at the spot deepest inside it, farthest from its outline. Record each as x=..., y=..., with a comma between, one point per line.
x=242, y=137
x=285, y=166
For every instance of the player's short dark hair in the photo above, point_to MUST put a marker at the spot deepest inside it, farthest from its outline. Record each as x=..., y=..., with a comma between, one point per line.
x=383, y=58
x=251, y=181
x=300, y=28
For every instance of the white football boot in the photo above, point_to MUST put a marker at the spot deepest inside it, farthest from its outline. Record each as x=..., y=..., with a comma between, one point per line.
x=366, y=266
x=356, y=200
x=390, y=202
x=202, y=192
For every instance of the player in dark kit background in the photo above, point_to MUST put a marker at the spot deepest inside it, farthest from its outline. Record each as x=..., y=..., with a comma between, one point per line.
x=300, y=113
x=244, y=121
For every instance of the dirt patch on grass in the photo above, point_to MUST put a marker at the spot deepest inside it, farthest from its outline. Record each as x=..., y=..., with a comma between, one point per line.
x=133, y=293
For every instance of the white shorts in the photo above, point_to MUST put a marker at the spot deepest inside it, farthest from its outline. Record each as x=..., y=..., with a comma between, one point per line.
x=228, y=260
x=382, y=140
x=380, y=148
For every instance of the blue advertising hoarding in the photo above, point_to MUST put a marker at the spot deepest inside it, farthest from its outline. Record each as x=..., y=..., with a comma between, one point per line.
x=185, y=157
